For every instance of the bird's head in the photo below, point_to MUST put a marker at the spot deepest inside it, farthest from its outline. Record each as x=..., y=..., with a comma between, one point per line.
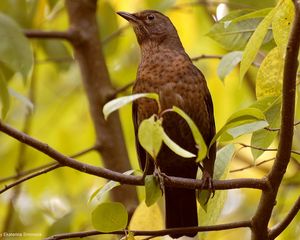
x=152, y=26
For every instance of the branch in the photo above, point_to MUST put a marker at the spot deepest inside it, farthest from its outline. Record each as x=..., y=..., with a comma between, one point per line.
x=261, y=184
x=268, y=198
x=220, y=227
x=267, y=149
x=205, y=56
x=279, y=228
x=251, y=165
x=19, y=181
x=48, y=168
x=65, y=35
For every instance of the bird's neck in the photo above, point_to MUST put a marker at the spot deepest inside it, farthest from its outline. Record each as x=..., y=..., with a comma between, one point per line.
x=170, y=44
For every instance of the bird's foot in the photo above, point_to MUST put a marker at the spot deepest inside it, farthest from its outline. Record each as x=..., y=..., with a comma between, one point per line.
x=207, y=182
x=160, y=176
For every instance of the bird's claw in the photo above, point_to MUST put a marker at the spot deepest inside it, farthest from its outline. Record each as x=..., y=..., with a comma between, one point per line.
x=160, y=176
x=207, y=182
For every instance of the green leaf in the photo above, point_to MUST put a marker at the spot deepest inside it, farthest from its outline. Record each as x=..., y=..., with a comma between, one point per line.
x=175, y=147
x=255, y=42
x=4, y=95
x=282, y=23
x=228, y=62
x=153, y=191
x=224, y=155
x=209, y=213
x=246, y=114
x=15, y=50
x=234, y=35
x=150, y=136
x=117, y=103
x=202, y=148
x=270, y=74
x=239, y=118
x=263, y=138
x=109, y=216
x=247, y=128
x=261, y=13
x=102, y=191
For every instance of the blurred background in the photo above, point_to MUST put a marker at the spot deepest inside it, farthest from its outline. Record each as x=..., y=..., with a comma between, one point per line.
x=57, y=202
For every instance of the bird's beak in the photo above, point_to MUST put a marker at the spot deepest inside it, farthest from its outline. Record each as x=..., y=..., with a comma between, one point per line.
x=128, y=16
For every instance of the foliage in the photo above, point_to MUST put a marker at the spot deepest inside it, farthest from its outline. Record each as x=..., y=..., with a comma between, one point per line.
x=41, y=93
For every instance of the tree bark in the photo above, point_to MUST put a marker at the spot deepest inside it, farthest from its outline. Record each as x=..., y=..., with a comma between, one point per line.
x=97, y=84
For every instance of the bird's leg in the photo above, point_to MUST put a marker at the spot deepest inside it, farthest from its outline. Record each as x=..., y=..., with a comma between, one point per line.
x=207, y=181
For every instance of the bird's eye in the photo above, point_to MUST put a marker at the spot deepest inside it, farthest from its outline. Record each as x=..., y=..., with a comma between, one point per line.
x=150, y=17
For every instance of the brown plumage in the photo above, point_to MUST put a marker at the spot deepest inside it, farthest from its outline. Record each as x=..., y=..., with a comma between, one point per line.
x=166, y=69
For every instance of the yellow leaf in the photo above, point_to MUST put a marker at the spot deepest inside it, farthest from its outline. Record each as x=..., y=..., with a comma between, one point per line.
x=269, y=76
x=281, y=24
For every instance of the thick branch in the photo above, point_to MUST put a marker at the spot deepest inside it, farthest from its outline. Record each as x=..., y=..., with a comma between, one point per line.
x=220, y=227
x=276, y=230
x=97, y=84
x=268, y=198
x=261, y=184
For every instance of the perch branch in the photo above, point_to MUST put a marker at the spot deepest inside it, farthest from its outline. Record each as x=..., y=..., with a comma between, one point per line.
x=261, y=184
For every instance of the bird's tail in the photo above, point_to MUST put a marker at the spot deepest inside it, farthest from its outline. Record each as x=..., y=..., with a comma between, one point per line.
x=181, y=209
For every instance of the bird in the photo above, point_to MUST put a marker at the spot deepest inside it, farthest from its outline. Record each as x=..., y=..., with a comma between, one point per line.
x=166, y=69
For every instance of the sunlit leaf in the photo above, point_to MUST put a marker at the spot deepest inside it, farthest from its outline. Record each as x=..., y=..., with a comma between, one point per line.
x=247, y=128
x=261, y=13
x=282, y=23
x=175, y=147
x=245, y=114
x=239, y=118
x=271, y=106
x=270, y=74
x=102, y=191
x=202, y=148
x=228, y=62
x=147, y=218
x=15, y=50
x=117, y=103
x=4, y=95
x=150, y=136
x=109, y=216
x=234, y=35
x=153, y=191
x=255, y=42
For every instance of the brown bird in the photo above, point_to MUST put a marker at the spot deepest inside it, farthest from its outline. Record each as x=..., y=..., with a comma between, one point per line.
x=166, y=69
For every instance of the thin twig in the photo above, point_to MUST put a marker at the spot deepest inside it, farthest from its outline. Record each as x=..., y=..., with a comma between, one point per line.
x=47, y=169
x=279, y=228
x=185, y=230
x=120, y=90
x=266, y=149
x=205, y=56
x=19, y=181
x=278, y=129
x=252, y=165
x=115, y=34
